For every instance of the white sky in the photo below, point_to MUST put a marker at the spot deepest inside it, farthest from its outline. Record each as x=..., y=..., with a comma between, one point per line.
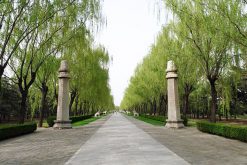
x=132, y=26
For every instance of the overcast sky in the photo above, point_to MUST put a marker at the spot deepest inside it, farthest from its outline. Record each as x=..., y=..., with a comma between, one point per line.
x=132, y=26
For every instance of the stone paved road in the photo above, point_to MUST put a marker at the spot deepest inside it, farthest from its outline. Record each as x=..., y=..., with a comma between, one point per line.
x=46, y=146
x=120, y=142
x=196, y=147
x=49, y=147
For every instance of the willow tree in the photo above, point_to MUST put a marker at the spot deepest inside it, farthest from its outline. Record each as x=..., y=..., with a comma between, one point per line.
x=182, y=52
x=234, y=13
x=96, y=91
x=89, y=73
x=11, y=18
x=207, y=30
x=55, y=24
x=147, y=85
x=44, y=83
x=19, y=19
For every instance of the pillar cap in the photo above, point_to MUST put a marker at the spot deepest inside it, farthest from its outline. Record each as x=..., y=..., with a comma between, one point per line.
x=64, y=66
x=63, y=70
x=171, y=66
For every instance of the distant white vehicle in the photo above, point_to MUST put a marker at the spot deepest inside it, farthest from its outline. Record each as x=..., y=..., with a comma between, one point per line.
x=105, y=112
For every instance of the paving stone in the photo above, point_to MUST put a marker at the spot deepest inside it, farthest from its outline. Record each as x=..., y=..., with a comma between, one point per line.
x=46, y=146
x=196, y=147
x=120, y=142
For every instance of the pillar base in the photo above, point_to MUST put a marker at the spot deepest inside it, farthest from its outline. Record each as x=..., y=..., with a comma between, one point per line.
x=59, y=124
x=174, y=124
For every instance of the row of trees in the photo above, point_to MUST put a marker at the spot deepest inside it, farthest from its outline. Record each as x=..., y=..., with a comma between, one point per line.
x=207, y=41
x=35, y=36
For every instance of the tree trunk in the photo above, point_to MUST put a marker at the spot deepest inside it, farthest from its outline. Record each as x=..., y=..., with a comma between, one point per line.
x=81, y=108
x=160, y=104
x=186, y=104
x=44, y=91
x=76, y=105
x=151, y=107
x=23, y=106
x=24, y=93
x=55, y=96
x=219, y=116
x=214, y=100
x=92, y=109
x=226, y=112
x=188, y=88
x=166, y=104
x=154, y=107
x=146, y=108
x=1, y=74
x=84, y=109
x=72, y=99
x=235, y=107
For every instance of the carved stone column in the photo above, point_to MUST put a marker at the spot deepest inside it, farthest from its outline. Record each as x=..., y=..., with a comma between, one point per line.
x=63, y=121
x=174, y=118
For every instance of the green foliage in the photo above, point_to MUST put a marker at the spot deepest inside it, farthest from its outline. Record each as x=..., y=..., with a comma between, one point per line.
x=50, y=119
x=89, y=78
x=148, y=82
x=163, y=119
x=158, y=118
x=150, y=121
x=206, y=40
x=242, y=116
x=37, y=35
x=185, y=120
x=9, y=100
x=16, y=130
x=130, y=114
x=229, y=131
x=191, y=123
x=80, y=118
x=86, y=121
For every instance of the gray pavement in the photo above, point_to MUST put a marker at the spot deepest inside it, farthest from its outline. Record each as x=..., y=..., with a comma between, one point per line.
x=196, y=147
x=119, y=141
x=122, y=140
x=46, y=146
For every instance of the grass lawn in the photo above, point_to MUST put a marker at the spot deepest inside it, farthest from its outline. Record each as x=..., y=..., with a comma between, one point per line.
x=192, y=122
x=150, y=121
x=84, y=122
x=45, y=124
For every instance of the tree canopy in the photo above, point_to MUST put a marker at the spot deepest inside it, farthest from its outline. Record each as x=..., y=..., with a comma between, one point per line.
x=206, y=40
x=35, y=36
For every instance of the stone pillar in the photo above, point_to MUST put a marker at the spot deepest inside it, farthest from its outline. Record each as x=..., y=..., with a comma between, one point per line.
x=174, y=118
x=63, y=121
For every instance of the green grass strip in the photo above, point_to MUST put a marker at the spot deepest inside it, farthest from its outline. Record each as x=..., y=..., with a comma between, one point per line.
x=150, y=121
x=84, y=122
x=5, y=125
x=192, y=122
